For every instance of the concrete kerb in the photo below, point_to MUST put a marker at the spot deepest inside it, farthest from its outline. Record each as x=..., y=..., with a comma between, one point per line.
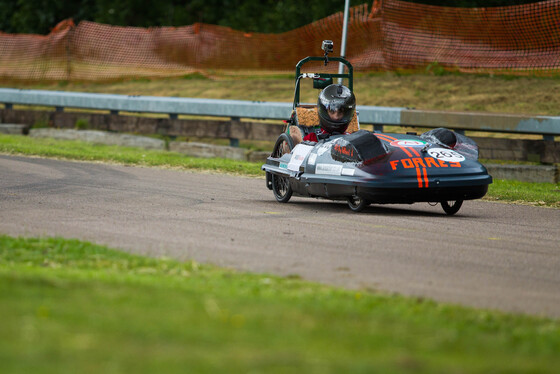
x=188, y=148
x=524, y=173
x=13, y=129
x=100, y=137
x=208, y=151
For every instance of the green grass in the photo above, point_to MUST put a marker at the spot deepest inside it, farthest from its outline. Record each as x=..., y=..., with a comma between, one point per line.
x=543, y=194
x=73, y=307
x=540, y=194
x=77, y=150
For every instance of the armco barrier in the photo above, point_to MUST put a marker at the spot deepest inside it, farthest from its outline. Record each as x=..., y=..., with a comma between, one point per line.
x=378, y=116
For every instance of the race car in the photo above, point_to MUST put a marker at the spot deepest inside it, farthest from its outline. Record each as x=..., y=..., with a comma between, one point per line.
x=365, y=167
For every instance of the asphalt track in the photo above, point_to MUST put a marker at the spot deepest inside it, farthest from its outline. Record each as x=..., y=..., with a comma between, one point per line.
x=490, y=255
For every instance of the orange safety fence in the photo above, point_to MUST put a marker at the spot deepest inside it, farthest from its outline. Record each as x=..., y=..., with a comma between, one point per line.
x=387, y=35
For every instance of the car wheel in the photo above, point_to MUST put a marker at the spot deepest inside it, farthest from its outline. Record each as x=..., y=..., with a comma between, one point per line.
x=281, y=184
x=357, y=204
x=451, y=207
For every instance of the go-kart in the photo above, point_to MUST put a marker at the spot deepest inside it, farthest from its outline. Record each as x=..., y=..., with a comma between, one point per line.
x=364, y=167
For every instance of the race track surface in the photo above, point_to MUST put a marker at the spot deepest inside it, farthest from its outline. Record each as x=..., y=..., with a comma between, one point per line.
x=490, y=255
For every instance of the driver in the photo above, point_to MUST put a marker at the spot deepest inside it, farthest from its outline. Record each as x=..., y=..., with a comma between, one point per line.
x=336, y=107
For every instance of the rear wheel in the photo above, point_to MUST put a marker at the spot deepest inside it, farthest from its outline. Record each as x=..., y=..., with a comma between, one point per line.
x=357, y=204
x=451, y=207
x=280, y=184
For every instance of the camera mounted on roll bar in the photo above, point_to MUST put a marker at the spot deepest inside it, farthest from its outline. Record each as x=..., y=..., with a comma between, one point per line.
x=328, y=47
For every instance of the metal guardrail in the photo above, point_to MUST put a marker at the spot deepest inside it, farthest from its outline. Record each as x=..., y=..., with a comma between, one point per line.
x=547, y=126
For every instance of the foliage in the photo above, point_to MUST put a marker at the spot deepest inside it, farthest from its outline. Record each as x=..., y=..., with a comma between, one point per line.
x=269, y=16
x=266, y=16
x=436, y=69
x=81, y=124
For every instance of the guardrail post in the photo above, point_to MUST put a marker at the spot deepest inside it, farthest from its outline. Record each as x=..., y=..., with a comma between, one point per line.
x=59, y=109
x=378, y=128
x=459, y=131
x=8, y=106
x=173, y=116
x=234, y=142
x=114, y=112
x=548, y=138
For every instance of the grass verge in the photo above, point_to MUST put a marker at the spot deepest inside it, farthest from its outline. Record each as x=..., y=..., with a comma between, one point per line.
x=540, y=194
x=71, y=306
x=77, y=150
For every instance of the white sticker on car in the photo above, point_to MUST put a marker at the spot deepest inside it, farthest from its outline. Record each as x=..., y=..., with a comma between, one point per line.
x=447, y=155
x=408, y=143
x=298, y=155
x=328, y=169
x=348, y=172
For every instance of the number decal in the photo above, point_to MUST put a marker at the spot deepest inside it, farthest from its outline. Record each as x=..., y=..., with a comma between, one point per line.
x=446, y=155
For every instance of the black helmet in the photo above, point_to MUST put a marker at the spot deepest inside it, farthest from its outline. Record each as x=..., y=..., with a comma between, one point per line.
x=336, y=107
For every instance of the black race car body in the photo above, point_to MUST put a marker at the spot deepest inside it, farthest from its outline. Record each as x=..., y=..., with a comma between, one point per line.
x=384, y=168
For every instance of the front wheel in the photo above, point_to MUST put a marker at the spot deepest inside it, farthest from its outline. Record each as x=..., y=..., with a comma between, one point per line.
x=357, y=204
x=451, y=207
x=280, y=184
x=281, y=188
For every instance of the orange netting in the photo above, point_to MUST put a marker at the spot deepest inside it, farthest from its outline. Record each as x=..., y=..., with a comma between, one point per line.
x=391, y=35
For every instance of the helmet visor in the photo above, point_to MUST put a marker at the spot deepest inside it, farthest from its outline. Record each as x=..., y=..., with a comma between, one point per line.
x=337, y=104
x=339, y=113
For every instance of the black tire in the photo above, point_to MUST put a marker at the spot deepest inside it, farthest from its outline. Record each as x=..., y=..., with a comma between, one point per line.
x=451, y=207
x=280, y=184
x=268, y=180
x=357, y=204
